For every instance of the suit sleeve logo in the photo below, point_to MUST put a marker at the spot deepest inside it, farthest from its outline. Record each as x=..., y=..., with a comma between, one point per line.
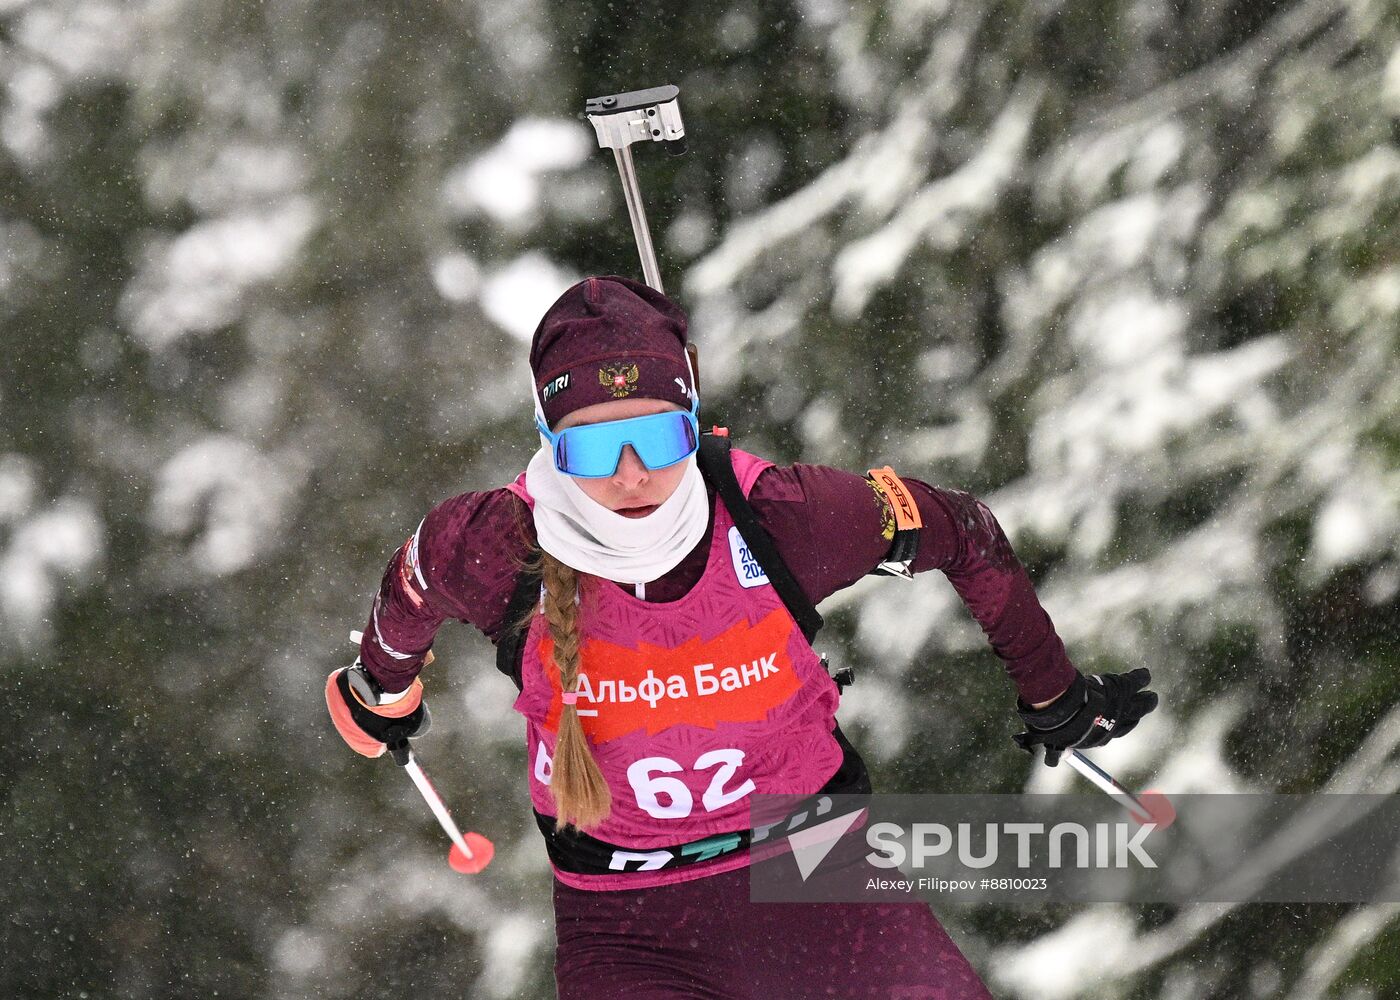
x=410, y=570
x=887, y=524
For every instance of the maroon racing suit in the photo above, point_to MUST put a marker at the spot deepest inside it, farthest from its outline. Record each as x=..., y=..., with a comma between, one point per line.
x=703, y=937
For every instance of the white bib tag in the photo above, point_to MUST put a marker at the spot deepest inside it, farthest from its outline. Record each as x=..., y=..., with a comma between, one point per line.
x=746, y=567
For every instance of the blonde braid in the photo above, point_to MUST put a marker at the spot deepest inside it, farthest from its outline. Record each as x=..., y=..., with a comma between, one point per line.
x=581, y=795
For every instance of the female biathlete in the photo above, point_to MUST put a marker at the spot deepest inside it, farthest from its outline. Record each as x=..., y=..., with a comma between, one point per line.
x=664, y=680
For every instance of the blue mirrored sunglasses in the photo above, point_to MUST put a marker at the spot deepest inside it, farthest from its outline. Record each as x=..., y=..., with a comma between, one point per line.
x=592, y=451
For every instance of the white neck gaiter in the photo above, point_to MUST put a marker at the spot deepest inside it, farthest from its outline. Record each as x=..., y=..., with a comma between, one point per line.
x=585, y=535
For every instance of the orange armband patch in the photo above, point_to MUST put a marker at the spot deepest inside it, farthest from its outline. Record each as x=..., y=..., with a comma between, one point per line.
x=906, y=512
x=907, y=522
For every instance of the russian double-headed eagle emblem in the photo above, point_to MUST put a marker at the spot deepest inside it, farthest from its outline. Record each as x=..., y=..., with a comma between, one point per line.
x=887, y=522
x=620, y=381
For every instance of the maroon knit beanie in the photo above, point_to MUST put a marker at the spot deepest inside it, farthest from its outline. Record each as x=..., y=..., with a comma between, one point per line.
x=609, y=338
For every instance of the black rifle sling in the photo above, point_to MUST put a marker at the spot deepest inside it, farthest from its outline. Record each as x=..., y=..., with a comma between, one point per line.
x=510, y=650
x=715, y=467
x=718, y=471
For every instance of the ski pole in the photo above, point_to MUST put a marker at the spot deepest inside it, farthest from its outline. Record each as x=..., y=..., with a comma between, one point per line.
x=638, y=116
x=1150, y=807
x=468, y=854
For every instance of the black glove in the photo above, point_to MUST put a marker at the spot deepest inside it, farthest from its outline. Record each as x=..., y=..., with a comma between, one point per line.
x=353, y=698
x=1093, y=711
